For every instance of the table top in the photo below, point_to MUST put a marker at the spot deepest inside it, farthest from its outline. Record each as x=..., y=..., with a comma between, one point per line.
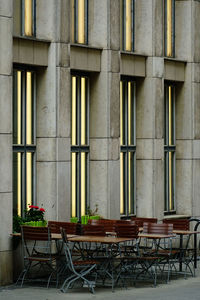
x=155, y=236
x=185, y=232
x=99, y=239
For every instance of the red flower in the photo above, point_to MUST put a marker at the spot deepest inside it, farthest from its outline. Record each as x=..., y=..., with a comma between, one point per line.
x=42, y=209
x=34, y=206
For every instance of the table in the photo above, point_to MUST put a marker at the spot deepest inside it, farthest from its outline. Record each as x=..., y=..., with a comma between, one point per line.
x=107, y=261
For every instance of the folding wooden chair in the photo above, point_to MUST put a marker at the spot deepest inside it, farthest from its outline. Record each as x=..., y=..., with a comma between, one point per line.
x=79, y=269
x=36, y=243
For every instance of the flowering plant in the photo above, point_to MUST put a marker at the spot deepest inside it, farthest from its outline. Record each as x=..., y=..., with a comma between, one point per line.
x=34, y=213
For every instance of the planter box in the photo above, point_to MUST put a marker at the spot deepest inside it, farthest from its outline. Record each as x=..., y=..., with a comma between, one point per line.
x=36, y=223
x=74, y=220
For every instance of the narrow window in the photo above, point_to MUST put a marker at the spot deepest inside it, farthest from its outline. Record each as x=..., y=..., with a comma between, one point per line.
x=28, y=17
x=128, y=147
x=80, y=21
x=80, y=145
x=170, y=28
x=127, y=25
x=24, y=147
x=170, y=148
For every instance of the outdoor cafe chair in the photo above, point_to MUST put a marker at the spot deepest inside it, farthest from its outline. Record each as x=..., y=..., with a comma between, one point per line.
x=70, y=228
x=36, y=242
x=79, y=269
x=139, y=220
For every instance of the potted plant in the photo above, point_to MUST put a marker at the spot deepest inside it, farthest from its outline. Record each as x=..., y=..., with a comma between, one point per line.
x=35, y=216
x=91, y=214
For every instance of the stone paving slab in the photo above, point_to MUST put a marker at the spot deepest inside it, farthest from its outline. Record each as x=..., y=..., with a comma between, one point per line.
x=183, y=289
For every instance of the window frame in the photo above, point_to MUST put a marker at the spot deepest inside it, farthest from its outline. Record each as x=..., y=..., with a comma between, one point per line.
x=80, y=148
x=127, y=147
x=169, y=147
x=24, y=147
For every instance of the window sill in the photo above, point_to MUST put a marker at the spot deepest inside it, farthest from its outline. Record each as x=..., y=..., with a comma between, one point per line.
x=174, y=216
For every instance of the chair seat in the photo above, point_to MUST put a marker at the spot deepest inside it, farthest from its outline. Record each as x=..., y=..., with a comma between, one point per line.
x=84, y=262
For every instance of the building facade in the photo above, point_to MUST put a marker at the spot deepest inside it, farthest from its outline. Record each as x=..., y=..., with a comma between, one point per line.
x=99, y=105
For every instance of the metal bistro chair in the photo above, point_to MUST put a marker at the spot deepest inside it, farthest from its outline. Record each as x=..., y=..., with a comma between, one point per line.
x=36, y=243
x=79, y=269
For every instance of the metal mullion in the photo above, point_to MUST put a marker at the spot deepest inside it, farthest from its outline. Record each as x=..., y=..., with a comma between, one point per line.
x=86, y=21
x=133, y=23
x=124, y=24
x=76, y=20
x=23, y=17
x=173, y=29
x=126, y=190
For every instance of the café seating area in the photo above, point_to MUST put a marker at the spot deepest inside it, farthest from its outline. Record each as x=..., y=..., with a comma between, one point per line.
x=109, y=252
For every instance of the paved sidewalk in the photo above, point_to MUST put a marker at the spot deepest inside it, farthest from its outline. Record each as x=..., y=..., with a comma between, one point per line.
x=183, y=289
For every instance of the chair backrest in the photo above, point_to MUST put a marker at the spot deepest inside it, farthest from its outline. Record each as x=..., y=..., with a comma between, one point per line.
x=109, y=225
x=96, y=230
x=30, y=233
x=178, y=224
x=154, y=228
x=70, y=228
x=36, y=240
x=128, y=230
x=139, y=221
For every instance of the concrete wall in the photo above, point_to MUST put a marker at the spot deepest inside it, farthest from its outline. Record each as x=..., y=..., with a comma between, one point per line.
x=6, y=20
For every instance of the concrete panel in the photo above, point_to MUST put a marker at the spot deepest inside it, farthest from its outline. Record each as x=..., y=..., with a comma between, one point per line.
x=65, y=21
x=30, y=52
x=99, y=186
x=47, y=188
x=195, y=31
x=63, y=102
x=114, y=24
x=157, y=34
x=174, y=70
x=84, y=58
x=6, y=45
x=196, y=189
x=155, y=67
x=133, y=65
x=98, y=149
x=6, y=8
x=99, y=105
x=6, y=163
x=150, y=149
x=196, y=149
x=184, y=149
x=144, y=188
x=143, y=27
x=64, y=191
x=113, y=210
x=158, y=189
x=114, y=80
x=114, y=149
x=184, y=109
x=6, y=267
x=46, y=98
x=6, y=221
x=147, y=93
x=110, y=61
x=16, y=17
x=196, y=97
x=184, y=187
x=183, y=30
x=63, y=58
x=195, y=71
x=159, y=108
x=46, y=149
x=5, y=104
x=46, y=19
x=97, y=25
x=63, y=149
